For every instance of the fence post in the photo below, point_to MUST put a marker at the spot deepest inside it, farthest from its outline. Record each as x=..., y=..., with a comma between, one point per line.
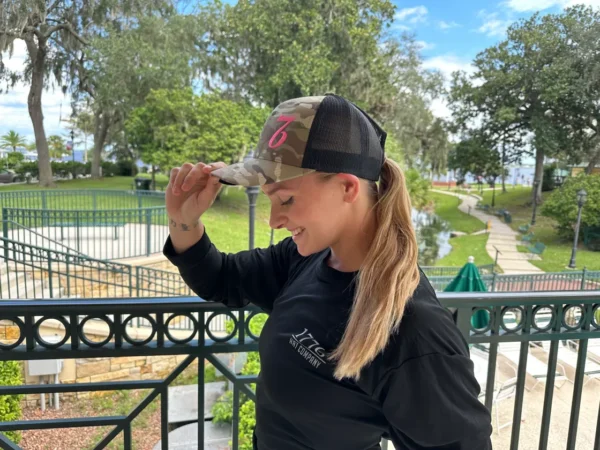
x=137, y=281
x=583, y=278
x=5, y=233
x=494, y=281
x=44, y=200
x=148, y=231
x=49, y=256
x=139, y=197
x=77, y=231
x=94, y=195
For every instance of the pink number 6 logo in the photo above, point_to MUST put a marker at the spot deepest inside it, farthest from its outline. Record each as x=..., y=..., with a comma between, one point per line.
x=280, y=131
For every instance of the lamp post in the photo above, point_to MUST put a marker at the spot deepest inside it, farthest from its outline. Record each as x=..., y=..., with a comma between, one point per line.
x=252, y=193
x=581, y=198
x=535, y=188
x=73, y=145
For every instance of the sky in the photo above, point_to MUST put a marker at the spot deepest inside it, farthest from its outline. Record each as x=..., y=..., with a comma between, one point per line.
x=451, y=34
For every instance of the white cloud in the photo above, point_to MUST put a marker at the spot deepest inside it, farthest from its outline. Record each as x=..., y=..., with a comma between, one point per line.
x=447, y=25
x=447, y=64
x=14, y=114
x=541, y=5
x=493, y=26
x=412, y=15
x=425, y=45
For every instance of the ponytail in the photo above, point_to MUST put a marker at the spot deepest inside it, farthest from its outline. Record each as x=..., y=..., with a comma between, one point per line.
x=386, y=281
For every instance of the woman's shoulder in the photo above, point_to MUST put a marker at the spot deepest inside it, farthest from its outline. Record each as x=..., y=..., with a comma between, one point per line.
x=427, y=328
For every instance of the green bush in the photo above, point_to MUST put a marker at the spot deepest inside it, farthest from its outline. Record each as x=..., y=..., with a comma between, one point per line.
x=109, y=169
x=126, y=168
x=548, y=183
x=10, y=405
x=561, y=205
x=30, y=167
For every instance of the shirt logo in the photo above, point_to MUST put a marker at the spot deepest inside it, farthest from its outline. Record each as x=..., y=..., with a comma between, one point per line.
x=309, y=348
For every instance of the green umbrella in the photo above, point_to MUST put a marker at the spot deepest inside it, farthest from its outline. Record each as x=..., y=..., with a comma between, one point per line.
x=469, y=280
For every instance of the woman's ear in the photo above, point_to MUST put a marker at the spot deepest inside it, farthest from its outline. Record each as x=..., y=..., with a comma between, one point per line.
x=351, y=186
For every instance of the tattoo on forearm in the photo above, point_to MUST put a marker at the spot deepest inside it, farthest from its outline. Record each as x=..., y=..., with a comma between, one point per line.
x=184, y=226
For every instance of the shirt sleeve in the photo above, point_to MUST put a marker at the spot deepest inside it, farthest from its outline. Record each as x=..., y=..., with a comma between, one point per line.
x=431, y=402
x=255, y=276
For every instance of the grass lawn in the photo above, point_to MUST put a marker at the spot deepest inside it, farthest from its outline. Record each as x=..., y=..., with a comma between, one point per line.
x=557, y=255
x=465, y=246
x=446, y=207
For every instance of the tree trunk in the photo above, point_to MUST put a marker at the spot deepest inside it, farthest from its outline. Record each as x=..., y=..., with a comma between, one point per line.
x=153, y=177
x=539, y=173
x=594, y=160
x=38, y=55
x=102, y=123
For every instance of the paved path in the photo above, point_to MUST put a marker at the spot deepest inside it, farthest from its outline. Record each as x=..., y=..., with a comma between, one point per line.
x=502, y=237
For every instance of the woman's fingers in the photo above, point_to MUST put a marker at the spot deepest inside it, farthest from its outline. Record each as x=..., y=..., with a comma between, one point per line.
x=194, y=177
x=181, y=175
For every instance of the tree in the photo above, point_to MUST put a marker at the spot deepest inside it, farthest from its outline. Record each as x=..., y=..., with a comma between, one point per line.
x=269, y=50
x=55, y=34
x=12, y=139
x=475, y=155
x=13, y=159
x=561, y=205
x=177, y=126
x=542, y=80
x=124, y=65
x=57, y=147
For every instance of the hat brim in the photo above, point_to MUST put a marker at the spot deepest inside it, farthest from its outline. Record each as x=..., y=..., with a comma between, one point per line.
x=257, y=172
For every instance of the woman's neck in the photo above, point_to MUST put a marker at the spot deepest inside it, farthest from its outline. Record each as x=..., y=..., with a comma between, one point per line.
x=348, y=254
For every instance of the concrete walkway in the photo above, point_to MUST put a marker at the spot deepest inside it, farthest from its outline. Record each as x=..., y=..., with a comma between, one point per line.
x=502, y=237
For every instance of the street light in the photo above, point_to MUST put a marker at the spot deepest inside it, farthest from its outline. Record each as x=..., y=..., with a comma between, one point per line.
x=581, y=198
x=252, y=193
x=536, y=183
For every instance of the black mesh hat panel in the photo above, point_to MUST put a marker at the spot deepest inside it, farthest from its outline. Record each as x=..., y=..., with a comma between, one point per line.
x=344, y=139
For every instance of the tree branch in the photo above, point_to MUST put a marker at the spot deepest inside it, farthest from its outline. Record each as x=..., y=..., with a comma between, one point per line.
x=11, y=34
x=69, y=28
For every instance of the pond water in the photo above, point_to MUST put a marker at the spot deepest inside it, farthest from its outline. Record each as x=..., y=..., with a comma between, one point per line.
x=433, y=237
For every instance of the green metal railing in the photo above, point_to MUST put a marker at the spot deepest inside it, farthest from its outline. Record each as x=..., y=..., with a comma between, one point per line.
x=82, y=199
x=445, y=271
x=29, y=272
x=541, y=317
x=583, y=280
x=101, y=234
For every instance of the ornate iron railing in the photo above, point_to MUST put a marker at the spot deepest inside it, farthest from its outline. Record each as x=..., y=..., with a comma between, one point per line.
x=545, y=318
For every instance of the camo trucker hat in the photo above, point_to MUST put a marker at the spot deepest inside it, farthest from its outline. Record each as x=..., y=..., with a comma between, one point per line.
x=303, y=135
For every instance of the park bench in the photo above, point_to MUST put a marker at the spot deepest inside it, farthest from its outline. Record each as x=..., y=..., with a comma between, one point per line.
x=104, y=224
x=536, y=249
x=527, y=237
x=524, y=228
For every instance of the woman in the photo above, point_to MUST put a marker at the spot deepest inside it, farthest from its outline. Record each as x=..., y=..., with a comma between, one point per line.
x=357, y=345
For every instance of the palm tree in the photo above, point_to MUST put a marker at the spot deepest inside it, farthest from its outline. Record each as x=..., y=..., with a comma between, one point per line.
x=56, y=145
x=12, y=139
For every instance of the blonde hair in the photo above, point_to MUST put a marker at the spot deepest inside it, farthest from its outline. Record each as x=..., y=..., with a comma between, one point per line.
x=386, y=280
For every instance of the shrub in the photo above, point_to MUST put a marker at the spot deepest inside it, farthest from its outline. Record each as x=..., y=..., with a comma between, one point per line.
x=561, y=205
x=30, y=167
x=10, y=405
x=126, y=168
x=548, y=183
x=109, y=169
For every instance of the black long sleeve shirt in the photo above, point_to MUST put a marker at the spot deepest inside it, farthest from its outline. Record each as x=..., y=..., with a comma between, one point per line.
x=420, y=391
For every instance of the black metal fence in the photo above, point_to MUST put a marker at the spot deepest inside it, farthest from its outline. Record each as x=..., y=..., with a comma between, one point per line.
x=515, y=319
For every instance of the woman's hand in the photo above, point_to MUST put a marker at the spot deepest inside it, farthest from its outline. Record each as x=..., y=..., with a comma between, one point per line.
x=191, y=191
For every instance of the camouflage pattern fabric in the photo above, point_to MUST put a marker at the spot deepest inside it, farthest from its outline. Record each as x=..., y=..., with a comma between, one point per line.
x=281, y=146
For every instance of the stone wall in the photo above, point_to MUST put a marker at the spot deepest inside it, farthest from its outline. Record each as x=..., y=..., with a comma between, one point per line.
x=94, y=370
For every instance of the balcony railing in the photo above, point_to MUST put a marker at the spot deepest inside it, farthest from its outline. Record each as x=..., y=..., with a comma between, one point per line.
x=517, y=318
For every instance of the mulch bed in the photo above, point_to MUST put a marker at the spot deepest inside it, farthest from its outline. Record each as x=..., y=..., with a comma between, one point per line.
x=143, y=437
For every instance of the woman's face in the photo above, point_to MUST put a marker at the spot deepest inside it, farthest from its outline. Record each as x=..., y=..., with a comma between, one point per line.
x=314, y=208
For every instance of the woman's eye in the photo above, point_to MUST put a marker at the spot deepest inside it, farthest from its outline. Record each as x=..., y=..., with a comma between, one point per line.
x=289, y=201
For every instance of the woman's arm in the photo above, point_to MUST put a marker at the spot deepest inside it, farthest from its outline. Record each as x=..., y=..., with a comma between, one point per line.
x=255, y=276
x=431, y=403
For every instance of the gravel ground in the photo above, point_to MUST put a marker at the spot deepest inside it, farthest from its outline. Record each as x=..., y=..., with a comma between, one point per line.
x=145, y=431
